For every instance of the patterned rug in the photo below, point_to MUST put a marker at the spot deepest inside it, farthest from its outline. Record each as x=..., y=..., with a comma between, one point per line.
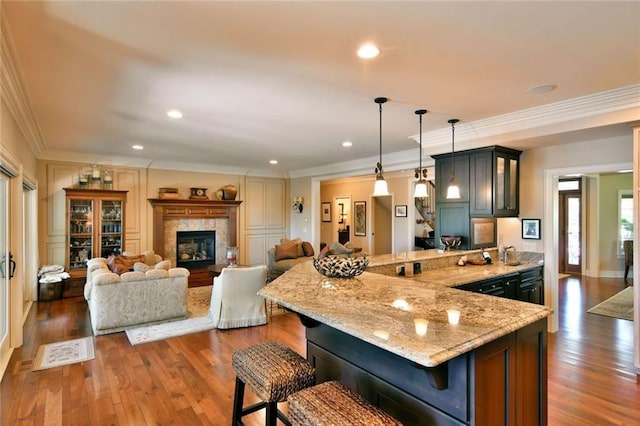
x=64, y=353
x=198, y=300
x=618, y=306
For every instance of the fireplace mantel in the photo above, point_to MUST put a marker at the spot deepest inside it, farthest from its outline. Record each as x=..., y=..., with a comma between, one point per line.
x=191, y=209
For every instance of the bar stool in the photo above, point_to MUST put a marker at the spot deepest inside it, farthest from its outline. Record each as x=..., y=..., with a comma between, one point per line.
x=273, y=372
x=331, y=403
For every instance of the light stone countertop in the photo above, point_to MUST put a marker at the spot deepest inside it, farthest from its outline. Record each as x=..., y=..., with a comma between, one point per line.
x=453, y=276
x=381, y=310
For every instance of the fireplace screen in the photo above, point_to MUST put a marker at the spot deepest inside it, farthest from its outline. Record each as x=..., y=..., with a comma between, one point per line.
x=195, y=249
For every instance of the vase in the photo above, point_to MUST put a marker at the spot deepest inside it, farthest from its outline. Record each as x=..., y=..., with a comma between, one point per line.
x=229, y=192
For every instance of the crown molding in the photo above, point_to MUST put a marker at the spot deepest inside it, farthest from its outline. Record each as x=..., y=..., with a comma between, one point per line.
x=14, y=93
x=147, y=163
x=535, y=121
x=584, y=112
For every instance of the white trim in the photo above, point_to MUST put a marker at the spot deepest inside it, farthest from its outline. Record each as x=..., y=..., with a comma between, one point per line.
x=9, y=164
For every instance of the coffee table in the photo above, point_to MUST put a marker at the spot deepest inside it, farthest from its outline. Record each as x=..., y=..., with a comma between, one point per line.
x=215, y=270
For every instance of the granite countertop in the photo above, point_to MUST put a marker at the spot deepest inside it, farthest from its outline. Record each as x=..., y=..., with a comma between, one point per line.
x=431, y=254
x=388, y=311
x=453, y=276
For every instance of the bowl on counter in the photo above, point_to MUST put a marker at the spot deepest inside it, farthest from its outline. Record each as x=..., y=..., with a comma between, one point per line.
x=451, y=241
x=341, y=267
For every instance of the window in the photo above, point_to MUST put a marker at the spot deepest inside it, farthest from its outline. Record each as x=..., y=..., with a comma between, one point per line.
x=625, y=218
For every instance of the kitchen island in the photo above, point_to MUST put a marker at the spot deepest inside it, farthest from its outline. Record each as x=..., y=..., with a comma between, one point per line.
x=391, y=339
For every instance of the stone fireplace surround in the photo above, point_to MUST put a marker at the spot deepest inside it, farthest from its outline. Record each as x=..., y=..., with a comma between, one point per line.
x=173, y=215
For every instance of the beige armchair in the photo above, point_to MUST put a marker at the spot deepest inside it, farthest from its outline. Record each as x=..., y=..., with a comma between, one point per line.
x=234, y=299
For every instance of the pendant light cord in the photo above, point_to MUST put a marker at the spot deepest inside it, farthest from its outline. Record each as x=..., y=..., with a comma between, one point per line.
x=420, y=169
x=380, y=101
x=453, y=122
x=380, y=133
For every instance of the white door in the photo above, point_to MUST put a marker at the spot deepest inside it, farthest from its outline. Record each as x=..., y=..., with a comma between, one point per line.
x=5, y=269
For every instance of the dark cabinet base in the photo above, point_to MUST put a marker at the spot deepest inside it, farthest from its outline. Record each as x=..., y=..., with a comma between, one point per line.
x=504, y=379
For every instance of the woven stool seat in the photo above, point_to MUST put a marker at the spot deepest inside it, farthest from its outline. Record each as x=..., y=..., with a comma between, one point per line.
x=273, y=372
x=331, y=403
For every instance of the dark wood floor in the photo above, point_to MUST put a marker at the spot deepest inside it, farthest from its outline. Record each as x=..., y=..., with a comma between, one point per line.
x=189, y=381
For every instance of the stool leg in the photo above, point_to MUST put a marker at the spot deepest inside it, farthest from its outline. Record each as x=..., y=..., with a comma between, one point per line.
x=272, y=414
x=238, y=400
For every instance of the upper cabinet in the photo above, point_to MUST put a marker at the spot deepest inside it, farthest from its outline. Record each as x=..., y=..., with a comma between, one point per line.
x=488, y=180
x=446, y=165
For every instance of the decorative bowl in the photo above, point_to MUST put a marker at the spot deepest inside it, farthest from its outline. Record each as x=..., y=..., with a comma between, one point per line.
x=451, y=241
x=341, y=267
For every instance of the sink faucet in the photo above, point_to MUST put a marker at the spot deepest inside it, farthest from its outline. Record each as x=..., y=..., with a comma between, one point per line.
x=505, y=255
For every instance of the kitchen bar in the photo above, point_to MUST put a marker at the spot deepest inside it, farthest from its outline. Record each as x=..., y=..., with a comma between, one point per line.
x=391, y=339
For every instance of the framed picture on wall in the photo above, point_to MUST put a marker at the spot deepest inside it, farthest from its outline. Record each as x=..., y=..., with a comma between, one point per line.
x=531, y=229
x=401, y=211
x=360, y=218
x=326, y=212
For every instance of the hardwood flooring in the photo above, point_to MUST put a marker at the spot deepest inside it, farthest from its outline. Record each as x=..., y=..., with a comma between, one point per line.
x=189, y=381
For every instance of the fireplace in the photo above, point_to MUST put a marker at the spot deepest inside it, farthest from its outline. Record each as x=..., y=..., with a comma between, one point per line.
x=195, y=249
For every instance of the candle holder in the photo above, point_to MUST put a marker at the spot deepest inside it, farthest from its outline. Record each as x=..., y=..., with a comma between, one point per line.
x=232, y=256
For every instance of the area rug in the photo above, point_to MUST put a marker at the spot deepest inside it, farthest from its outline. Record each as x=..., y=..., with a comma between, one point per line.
x=561, y=276
x=64, y=353
x=618, y=306
x=198, y=300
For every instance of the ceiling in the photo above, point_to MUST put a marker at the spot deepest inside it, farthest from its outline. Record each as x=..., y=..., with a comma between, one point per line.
x=263, y=80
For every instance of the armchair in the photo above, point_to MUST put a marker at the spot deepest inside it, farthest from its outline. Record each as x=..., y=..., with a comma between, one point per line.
x=234, y=299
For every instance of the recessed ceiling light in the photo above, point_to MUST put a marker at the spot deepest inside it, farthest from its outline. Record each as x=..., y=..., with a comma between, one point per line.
x=273, y=162
x=368, y=51
x=542, y=88
x=174, y=113
x=138, y=147
x=347, y=144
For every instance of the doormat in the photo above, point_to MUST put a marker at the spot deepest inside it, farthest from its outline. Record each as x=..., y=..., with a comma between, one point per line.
x=64, y=353
x=618, y=306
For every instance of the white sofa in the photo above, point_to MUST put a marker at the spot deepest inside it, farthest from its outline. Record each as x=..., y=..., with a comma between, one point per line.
x=134, y=299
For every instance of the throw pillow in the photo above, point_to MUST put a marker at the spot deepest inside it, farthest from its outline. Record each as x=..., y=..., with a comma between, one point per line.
x=165, y=264
x=324, y=252
x=119, y=268
x=121, y=263
x=298, y=242
x=307, y=248
x=337, y=248
x=286, y=251
x=141, y=267
x=149, y=258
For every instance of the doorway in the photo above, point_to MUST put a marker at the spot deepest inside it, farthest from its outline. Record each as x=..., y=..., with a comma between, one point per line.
x=341, y=229
x=570, y=226
x=382, y=225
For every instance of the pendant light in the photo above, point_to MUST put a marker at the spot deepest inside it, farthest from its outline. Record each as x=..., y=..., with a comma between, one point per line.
x=453, y=192
x=420, y=190
x=380, y=187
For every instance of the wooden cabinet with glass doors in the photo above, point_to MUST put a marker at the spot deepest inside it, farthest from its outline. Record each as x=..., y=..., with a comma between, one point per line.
x=95, y=228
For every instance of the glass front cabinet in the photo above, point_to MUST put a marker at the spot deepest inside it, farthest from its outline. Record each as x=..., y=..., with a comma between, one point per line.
x=95, y=228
